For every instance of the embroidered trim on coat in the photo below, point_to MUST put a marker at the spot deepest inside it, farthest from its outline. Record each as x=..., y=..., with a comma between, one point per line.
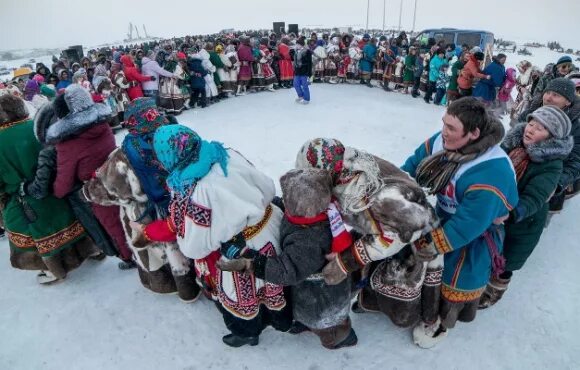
x=251, y=231
x=248, y=299
x=440, y=241
x=456, y=295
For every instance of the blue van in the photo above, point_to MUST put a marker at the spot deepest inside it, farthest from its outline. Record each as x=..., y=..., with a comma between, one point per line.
x=457, y=37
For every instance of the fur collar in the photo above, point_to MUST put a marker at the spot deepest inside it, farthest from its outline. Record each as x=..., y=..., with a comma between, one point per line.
x=547, y=150
x=76, y=123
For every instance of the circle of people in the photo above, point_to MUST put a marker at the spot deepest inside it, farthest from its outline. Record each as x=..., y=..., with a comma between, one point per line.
x=197, y=218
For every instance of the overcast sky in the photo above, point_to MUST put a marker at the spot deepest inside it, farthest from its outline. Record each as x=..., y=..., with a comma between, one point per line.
x=59, y=23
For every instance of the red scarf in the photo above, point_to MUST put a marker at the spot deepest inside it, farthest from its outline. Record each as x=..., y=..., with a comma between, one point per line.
x=341, y=238
x=520, y=160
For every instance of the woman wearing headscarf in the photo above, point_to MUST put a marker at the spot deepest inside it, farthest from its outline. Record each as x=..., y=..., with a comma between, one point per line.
x=134, y=179
x=220, y=208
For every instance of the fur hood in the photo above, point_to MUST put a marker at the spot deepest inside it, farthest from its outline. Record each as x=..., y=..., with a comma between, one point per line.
x=76, y=123
x=45, y=117
x=82, y=114
x=547, y=150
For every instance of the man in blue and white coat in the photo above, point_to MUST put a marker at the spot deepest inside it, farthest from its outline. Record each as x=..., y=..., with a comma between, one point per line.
x=475, y=185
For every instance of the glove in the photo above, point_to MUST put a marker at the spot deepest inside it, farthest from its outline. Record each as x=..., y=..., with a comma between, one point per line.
x=334, y=272
x=234, y=247
x=153, y=78
x=424, y=249
x=279, y=202
x=240, y=264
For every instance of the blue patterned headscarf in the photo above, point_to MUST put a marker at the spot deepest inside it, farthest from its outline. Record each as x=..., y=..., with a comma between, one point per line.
x=186, y=156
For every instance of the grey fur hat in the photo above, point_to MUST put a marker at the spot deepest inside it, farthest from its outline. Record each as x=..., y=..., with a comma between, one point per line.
x=83, y=114
x=553, y=119
x=306, y=192
x=563, y=86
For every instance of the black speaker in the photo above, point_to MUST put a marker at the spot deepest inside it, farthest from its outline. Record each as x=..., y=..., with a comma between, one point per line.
x=279, y=28
x=72, y=55
x=293, y=28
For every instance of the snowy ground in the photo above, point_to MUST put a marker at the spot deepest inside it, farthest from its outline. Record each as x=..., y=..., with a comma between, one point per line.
x=102, y=318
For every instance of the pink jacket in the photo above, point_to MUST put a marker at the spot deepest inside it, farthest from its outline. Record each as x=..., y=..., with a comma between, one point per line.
x=505, y=92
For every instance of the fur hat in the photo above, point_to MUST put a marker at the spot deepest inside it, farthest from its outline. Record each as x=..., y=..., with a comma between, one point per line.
x=306, y=192
x=563, y=86
x=12, y=108
x=563, y=60
x=479, y=55
x=553, y=119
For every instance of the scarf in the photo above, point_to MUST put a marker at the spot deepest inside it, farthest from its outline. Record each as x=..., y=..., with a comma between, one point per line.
x=520, y=160
x=435, y=172
x=341, y=238
x=186, y=156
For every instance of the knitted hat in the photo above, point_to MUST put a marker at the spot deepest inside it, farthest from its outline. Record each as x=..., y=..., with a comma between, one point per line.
x=77, y=98
x=563, y=86
x=553, y=119
x=366, y=37
x=38, y=78
x=48, y=90
x=564, y=59
x=475, y=49
x=322, y=153
x=142, y=116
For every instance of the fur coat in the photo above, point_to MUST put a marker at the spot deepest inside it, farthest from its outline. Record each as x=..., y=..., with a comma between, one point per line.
x=162, y=266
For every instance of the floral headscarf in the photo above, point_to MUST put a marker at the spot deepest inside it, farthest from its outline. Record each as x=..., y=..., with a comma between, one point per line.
x=186, y=156
x=142, y=116
x=322, y=153
x=142, y=119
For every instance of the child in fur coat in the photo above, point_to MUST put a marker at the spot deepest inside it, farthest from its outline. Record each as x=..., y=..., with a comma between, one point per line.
x=306, y=238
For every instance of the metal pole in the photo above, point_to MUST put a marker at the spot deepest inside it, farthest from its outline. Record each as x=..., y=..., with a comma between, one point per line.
x=400, y=14
x=384, y=11
x=414, y=15
x=368, y=4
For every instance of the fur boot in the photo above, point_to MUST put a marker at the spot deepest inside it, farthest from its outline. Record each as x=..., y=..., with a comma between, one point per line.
x=493, y=292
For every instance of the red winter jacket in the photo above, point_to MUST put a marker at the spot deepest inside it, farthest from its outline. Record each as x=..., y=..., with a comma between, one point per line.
x=77, y=159
x=133, y=77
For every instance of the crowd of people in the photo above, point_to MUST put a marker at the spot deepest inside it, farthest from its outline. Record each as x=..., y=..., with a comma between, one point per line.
x=195, y=217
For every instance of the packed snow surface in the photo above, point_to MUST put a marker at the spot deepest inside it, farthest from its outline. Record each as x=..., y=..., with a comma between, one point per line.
x=102, y=318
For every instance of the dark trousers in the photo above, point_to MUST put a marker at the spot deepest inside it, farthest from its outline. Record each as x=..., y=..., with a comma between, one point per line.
x=439, y=94
x=280, y=320
x=416, y=84
x=198, y=96
x=431, y=87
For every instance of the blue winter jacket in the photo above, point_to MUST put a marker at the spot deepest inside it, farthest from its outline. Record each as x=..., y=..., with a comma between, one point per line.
x=434, y=67
x=366, y=63
x=197, y=74
x=486, y=89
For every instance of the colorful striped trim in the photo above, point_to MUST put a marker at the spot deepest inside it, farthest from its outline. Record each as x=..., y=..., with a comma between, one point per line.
x=440, y=241
x=455, y=295
x=385, y=241
x=458, y=268
x=493, y=190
